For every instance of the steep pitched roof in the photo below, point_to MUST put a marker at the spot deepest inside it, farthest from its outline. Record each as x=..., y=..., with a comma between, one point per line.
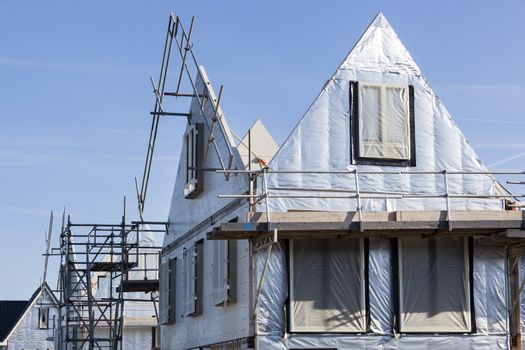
x=323, y=138
x=379, y=48
x=10, y=312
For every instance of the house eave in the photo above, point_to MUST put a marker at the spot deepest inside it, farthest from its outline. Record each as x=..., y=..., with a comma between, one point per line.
x=509, y=224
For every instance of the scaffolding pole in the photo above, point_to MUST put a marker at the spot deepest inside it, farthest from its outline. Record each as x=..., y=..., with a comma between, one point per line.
x=89, y=317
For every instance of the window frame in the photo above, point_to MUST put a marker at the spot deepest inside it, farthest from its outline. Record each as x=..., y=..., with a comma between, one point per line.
x=365, y=290
x=193, y=178
x=43, y=323
x=397, y=284
x=355, y=156
x=171, y=300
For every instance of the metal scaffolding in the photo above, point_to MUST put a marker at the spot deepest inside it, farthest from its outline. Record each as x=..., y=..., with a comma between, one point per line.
x=89, y=253
x=504, y=227
x=186, y=76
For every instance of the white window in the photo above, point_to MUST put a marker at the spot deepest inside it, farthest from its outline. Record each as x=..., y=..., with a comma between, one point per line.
x=327, y=285
x=384, y=121
x=193, y=145
x=434, y=285
x=220, y=272
x=43, y=318
x=103, y=286
x=190, y=260
x=224, y=271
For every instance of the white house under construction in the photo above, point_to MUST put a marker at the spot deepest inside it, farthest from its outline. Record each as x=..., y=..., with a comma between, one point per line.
x=373, y=226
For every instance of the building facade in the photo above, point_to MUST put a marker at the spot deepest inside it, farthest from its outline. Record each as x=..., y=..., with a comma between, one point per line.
x=371, y=227
x=29, y=324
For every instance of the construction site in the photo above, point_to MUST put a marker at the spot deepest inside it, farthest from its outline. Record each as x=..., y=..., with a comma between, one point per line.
x=374, y=225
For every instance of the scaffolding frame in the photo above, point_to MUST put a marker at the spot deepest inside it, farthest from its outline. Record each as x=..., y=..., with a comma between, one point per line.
x=506, y=228
x=88, y=252
x=179, y=40
x=85, y=248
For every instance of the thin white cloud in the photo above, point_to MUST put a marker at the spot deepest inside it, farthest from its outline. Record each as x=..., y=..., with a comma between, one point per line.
x=499, y=145
x=14, y=156
x=494, y=121
x=19, y=157
x=25, y=210
x=508, y=159
x=485, y=87
x=74, y=67
x=46, y=212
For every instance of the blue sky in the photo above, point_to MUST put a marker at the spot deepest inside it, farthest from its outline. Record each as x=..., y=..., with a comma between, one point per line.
x=75, y=93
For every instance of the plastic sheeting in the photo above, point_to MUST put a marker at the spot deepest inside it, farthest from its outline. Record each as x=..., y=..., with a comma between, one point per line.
x=489, y=306
x=434, y=281
x=490, y=297
x=322, y=141
x=271, y=315
x=345, y=342
x=380, y=283
x=315, y=265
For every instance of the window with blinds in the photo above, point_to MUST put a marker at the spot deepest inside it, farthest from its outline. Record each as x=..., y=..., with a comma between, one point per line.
x=327, y=286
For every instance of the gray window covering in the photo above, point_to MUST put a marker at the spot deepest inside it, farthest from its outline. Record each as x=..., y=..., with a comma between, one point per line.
x=172, y=287
x=193, y=144
x=232, y=270
x=164, y=293
x=327, y=285
x=190, y=276
x=434, y=285
x=199, y=277
x=224, y=272
x=384, y=127
x=220, y=272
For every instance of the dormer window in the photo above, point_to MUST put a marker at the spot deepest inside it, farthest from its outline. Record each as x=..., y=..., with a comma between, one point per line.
x=383, y=124
x=193, y=142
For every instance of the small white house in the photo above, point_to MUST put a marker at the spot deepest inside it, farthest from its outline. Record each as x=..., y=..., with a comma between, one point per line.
x=376, y=149
x=29, y=324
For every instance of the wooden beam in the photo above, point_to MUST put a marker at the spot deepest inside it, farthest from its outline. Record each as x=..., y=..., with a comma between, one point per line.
x=385, y=224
